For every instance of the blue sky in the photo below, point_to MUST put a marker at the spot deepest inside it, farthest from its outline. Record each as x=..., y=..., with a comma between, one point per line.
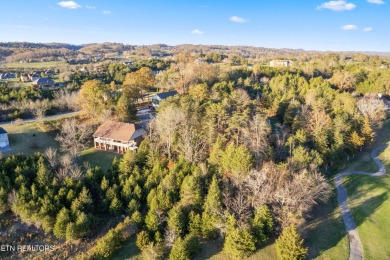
x=353, y=25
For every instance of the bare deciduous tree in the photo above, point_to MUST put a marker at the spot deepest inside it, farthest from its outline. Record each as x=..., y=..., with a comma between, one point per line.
x=167, y=123
x=52, y=157
x=66, y=99
x=73, y=137
x=374, y=109
x=39, y=109
x=257, y=136
x=68, y=169
x=191, y=142
x=290, y=194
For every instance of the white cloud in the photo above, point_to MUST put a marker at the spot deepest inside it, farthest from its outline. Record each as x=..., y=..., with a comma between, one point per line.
x=69, y=4
x=106, y=12
x=349, y=27
x=90, y=7
x=22, y=27
x=368, y=29
x=377, y=2
x=197, y=31
x=339, y=5
x=237, y=19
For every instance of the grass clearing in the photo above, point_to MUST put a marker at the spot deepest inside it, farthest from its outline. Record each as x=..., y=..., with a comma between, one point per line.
x=325, y=234
x=94, y=157
x=368, y=198
x=128, y=251
x=27, y=138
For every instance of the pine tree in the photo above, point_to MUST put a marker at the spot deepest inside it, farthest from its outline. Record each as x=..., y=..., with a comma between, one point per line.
x=262, y=224
x=62, y=220
x=151, y=220
x=367, y=131
x=177, y=220
x=236, y=161
x=239, y=243
x=289, y=245
x=212, y=209
x=143, y=240
x=105, y=184
x=82, y=224
x=190, y=191
x=44, y=176
x=195, y=224
x=116, y=206
x=71, y=232
x=125, y=108
x=184, y=249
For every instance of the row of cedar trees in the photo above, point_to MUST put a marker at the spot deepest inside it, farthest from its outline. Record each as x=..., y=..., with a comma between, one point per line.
x=212, y=166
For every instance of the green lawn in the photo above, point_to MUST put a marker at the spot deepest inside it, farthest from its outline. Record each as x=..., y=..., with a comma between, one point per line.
x=95, y=157
x=35, y=65
x=368, y=198
x=27, y=138
x=129, y=251
x=325, y=235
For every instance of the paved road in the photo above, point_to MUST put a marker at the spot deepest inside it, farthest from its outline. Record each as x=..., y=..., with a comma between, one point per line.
x=46, y=117
x=355, y=244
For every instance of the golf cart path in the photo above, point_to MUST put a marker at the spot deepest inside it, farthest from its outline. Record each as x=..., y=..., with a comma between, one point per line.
x=355, y=244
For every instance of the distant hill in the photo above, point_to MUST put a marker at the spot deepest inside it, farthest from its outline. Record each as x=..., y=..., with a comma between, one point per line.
x=27, y=51
x=31, y=45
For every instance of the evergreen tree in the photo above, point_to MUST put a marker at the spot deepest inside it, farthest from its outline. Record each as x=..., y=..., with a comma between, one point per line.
x=71, y=232
x=262, y=224
x=236, y=161
x=116, y=206
x=44, y=176
x=195, y=224
x=367, y=131
x=152, y=221
x=62, y=220
x=289, y=245
x=143, y=240
x=212, y=209
x=125, y=108
x=177, y=220
x=239, y=243
x=190, y=191
x=82, y=224
x=184, y=249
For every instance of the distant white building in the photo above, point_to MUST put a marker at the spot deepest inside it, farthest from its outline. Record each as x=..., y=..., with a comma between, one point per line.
x=280, y=63
x=3, y=138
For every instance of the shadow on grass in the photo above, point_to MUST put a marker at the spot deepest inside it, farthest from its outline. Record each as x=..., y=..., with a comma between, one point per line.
x=31, y=142
x=209, y=249
x=128, y=251
x=325, y=230
x=364, y=210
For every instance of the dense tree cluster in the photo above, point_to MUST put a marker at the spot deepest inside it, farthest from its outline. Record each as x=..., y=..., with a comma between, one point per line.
x=240, y=154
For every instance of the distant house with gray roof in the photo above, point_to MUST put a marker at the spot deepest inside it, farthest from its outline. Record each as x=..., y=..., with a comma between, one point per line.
x=156, y=99
x=44, y=83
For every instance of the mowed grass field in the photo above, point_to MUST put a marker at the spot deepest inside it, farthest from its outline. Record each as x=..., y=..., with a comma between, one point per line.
x=103, y=159
x=27, y=138
x=369, y=199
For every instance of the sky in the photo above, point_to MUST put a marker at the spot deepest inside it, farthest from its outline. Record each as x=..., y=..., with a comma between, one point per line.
x=352, y=25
